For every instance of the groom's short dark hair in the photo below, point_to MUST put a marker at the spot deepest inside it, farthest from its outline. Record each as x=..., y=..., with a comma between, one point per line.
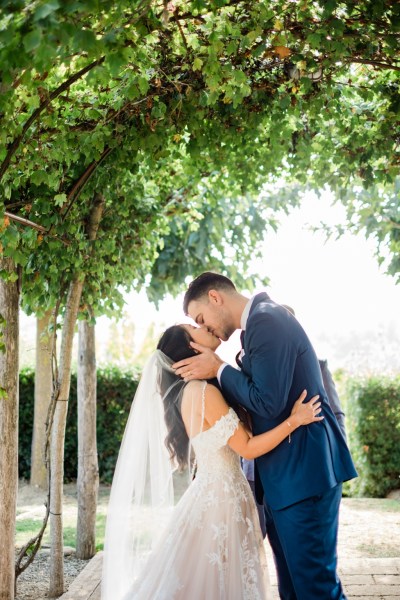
x=203, y=284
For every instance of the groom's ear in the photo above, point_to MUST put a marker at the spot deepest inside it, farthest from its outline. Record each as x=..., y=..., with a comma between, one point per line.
x=215, y=297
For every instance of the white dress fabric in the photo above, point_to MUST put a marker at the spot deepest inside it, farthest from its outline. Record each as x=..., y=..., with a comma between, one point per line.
x=212, y=548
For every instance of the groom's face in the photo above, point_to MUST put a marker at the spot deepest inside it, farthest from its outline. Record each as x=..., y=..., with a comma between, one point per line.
x=212, y=312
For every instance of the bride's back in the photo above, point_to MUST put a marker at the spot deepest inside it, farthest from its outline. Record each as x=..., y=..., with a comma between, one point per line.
x=192, y=408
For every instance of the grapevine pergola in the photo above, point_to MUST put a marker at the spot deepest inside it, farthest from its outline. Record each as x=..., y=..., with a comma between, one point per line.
x=143, y=141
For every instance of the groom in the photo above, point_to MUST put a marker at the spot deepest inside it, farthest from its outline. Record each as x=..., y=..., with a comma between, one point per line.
x=301, y=478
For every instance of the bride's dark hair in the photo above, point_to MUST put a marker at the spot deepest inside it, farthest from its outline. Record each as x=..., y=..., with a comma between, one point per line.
x=175, y=343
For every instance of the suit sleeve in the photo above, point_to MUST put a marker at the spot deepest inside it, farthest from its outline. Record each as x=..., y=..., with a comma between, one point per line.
x=272, y=354
x=331, y=392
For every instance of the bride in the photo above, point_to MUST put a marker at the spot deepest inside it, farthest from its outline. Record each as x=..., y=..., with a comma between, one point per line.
x=209, y=545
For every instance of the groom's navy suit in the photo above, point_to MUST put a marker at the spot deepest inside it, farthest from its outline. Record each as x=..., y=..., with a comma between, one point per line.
x=301, y=477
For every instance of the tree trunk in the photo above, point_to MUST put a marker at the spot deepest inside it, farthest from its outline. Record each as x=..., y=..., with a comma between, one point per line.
x=9, y=307
x=57, y=442
x=60, y=416
x=88, y=473
x=43, y=390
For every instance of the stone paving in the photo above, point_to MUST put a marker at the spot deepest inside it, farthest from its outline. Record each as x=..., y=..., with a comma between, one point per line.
x=362, y=578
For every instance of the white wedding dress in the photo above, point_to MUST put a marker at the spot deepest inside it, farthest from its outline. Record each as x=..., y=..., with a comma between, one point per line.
x=212, y=548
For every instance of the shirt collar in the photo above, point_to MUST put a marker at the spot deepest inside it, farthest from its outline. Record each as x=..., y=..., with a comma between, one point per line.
x=245, y=314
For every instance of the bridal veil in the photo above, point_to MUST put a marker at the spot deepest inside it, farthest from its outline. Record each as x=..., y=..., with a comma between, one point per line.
x=142, y=493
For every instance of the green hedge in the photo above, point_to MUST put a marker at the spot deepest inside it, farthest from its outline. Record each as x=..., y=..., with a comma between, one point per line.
x=373, y=425
x=115, y=391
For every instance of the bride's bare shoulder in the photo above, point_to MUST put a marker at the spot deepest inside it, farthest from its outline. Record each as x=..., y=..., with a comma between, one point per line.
x=194, y=391
x=214, y=402
x=193, y=394
x=215, y=405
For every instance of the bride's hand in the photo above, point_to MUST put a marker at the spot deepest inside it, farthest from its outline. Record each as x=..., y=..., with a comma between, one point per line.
x=304, y=414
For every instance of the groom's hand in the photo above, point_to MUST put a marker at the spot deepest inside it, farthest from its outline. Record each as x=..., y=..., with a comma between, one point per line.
x=203, y=366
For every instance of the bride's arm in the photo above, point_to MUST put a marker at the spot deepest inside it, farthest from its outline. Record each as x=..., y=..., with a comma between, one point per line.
x=253, y=446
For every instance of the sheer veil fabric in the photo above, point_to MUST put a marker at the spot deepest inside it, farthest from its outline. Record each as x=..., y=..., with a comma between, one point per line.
x=142, y=493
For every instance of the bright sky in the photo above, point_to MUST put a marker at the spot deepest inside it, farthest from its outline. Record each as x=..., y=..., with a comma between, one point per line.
x=347, y=305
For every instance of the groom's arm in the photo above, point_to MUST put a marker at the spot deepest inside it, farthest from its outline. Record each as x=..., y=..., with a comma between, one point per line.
x=272, y=353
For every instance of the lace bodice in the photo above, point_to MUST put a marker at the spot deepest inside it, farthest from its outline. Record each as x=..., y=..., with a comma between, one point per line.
x=213, y=455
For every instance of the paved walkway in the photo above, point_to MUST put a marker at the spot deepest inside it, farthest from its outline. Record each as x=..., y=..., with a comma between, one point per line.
x=362, y=578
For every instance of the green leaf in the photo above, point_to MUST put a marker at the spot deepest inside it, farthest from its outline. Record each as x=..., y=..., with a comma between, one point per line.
x=143, y=85
x=12, y=277
x=132, y=91
x=32, y=40
x=239, y=77
x=159, y=110
x=39, y=177
x=197, y=64
x=60, y=199
x=85, y=39
x=46, y=9
x=232, y=47
x=314, y=39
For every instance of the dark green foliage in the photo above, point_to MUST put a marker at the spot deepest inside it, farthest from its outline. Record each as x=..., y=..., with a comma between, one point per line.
x=115, y=391
x=179, y=114
x=26, y=404
x=373, y=411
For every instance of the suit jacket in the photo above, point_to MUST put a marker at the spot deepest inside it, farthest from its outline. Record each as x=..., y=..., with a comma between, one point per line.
x=332, y=394
x=279, y=362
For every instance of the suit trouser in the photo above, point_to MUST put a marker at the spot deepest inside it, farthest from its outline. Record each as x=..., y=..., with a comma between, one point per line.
x=260, y=510
x=303, y=538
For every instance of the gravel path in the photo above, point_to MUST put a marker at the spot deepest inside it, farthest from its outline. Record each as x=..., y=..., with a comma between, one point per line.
x=33, y=584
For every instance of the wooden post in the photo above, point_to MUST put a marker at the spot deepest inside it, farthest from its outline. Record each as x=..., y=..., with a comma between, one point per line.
x=9, y=311
x=60, y=397
x=43, y=390
x=88, y=471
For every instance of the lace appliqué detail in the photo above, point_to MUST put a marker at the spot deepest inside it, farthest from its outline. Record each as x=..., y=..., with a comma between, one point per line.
x=220, y=557
x=226, y=426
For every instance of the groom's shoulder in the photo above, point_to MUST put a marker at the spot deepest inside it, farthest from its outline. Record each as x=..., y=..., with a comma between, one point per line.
x=266, y=311
x=263, y=305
